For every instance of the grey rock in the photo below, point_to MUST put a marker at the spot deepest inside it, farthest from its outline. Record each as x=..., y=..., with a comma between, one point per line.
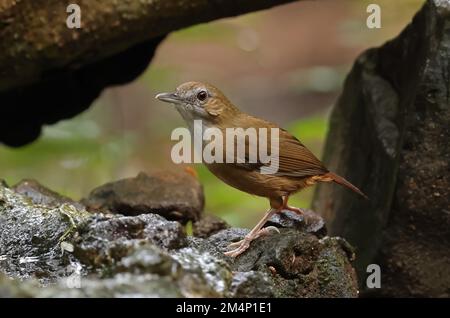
x=252, y=284
x=174, y=195
x=208, y=225
x=295, y=263
x=31, y=236
x=389, y=135
x=122, y=285
x=111, y=255
x=40, y=195
x=10, y=288
x=105, y=239
x=223, y=238
x=212, y=272
x=308, y=221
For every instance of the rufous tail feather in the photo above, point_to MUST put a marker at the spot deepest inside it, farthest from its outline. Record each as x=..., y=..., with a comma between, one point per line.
x=345, y=183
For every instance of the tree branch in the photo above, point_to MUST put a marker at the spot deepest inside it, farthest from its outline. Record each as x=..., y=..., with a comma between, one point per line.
x=35, y=38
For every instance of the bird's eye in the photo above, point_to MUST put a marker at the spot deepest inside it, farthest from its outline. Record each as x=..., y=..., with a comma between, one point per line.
x=202, y=95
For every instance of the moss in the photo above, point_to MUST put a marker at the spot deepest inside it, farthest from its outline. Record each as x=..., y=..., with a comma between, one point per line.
x=332, y=269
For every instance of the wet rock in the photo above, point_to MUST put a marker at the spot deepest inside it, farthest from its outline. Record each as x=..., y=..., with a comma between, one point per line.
x=208, y=225
x=310, y=222
x=104, y=240
x=40, y=195
x=149, y=244
x=10, y=288
x=297, y=263
x=146, y=255
x=31, y=236
x=175, y=195
x=389, y=136
x=223, y=238
x=148, y=258
x=252, y=284
x=119, y=286
x=206, y=272
x=193, y=273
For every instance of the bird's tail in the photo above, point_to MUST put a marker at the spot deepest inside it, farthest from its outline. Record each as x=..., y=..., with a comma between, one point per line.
x=345, y=183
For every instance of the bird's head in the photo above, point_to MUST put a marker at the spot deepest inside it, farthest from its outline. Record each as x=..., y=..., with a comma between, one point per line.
x=195, y=100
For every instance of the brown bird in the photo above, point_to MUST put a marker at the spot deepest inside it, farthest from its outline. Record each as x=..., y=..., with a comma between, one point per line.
x=297, y=166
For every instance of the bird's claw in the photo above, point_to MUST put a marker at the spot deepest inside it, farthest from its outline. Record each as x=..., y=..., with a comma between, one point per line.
x=235, y=244
x=266, y=231
x=238, y=248
x=294, y=209
x=241, y=246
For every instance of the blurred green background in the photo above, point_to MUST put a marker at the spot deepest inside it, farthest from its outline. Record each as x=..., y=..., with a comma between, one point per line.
x=286, y=65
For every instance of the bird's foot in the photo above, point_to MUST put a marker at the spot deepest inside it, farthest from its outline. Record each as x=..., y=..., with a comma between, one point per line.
x=241, y=246
x=294, y=209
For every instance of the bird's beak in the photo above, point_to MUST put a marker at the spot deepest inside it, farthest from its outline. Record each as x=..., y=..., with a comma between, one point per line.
x=169, y=98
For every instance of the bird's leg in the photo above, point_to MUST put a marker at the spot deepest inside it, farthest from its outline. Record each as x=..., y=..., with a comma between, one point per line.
x=290, y=208
x=257, y=231
x=262, y=232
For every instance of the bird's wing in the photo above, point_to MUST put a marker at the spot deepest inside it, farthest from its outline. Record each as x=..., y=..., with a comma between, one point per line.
x=293, y=160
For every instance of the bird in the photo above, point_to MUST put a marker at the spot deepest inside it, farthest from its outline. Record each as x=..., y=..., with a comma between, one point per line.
x=298, y=167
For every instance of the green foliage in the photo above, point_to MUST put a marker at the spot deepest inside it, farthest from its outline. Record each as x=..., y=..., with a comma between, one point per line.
x=69, y=157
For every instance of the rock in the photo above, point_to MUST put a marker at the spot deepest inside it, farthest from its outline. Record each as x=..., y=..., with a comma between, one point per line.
x=175, y=195
x=147, y=258
x=252, y=284
x=145, y=255
x=103, y=240
x=223, y=238
x=10, y=288
x=193, y=274
x=309, y=221
x=121, y=285
x=209, y=272
x=389, y=136
x=40, y=195
x=66, y=92
x=30, y=237
x=208, y=225
x=295, y=263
